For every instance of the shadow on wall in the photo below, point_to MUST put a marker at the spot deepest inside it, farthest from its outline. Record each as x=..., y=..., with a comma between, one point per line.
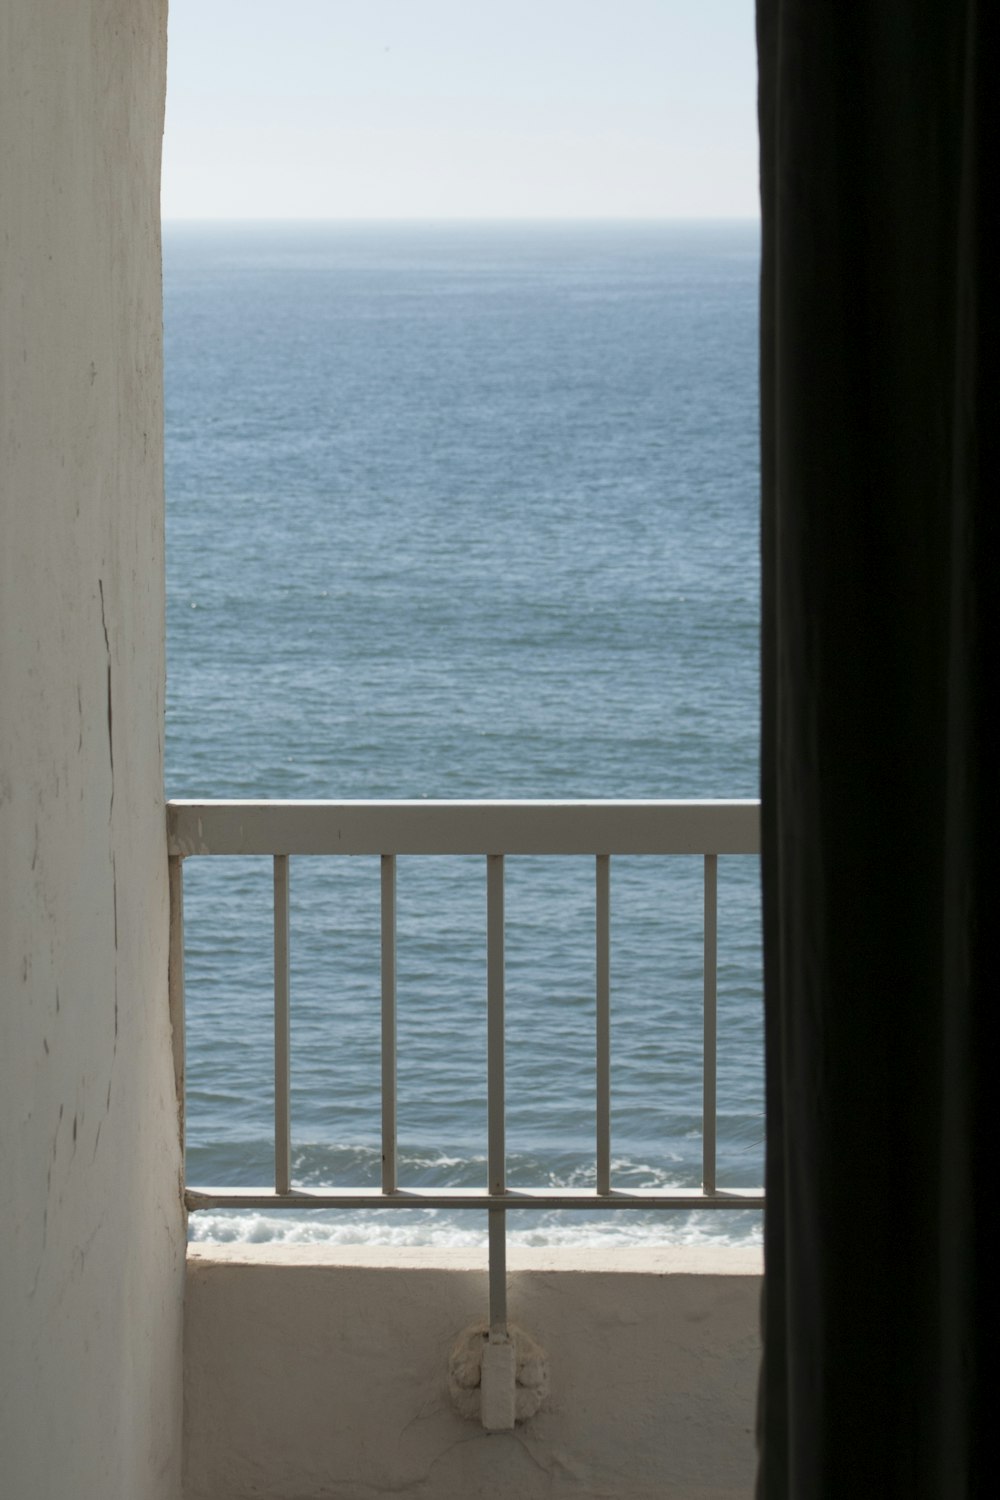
x=313, y=1373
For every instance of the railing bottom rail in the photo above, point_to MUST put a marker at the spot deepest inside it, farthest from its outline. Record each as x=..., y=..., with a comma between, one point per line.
x=448, y=1198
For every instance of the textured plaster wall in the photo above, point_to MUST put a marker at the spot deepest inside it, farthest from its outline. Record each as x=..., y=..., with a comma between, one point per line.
x=91, y=1235
x=312, y=1373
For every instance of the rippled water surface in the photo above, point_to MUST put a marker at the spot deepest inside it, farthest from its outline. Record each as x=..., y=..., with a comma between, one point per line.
x=465, y=511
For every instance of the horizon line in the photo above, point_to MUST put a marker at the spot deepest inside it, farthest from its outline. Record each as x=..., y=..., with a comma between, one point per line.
x=465, y=219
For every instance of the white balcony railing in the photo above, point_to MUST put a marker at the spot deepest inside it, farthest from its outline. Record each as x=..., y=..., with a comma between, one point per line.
x=492, y=830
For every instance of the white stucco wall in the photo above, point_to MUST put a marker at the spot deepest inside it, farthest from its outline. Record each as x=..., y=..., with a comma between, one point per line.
x=91, y=1239
x=324, y=1372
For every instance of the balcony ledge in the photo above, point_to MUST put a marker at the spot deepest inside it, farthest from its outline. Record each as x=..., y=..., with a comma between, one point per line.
x=318, y=1370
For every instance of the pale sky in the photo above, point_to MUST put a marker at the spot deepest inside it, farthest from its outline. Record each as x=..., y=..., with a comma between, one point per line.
x=348, y=109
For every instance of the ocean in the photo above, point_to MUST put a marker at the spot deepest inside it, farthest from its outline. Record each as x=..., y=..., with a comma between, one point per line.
x=465, y=510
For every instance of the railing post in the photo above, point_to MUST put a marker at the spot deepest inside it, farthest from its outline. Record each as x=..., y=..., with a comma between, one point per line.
x=497, y=1161
x=710, y=1023
x=603, y=1040
x=498, y=1272
x=498, y=1371
x=282, y=1031
x=389, y=1171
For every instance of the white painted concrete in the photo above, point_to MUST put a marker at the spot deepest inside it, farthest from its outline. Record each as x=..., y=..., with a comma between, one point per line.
x=325, y=1372
x=91, y=1236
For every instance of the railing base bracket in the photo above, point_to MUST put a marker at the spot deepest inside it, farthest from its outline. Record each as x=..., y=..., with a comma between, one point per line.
x=497, y=1385
x=497, y=1381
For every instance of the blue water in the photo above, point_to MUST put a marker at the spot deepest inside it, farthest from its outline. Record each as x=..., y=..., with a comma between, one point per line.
x=465, y=511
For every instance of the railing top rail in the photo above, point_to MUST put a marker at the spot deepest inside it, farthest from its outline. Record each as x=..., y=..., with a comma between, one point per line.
x=462, y=827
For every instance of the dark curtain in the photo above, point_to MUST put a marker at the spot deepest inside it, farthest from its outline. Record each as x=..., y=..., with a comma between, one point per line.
x=881, y=480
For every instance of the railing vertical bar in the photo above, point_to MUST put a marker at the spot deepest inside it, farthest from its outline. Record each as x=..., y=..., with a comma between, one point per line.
x=282, y=1033
x=389, y=1182
x=496, y=1148
x=603, y=1040
x=710, y=1020
x=498, y=1272
x=495, y=1021
x=175, y=981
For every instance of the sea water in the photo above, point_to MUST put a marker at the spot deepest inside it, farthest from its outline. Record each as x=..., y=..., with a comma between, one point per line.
x=465, y=510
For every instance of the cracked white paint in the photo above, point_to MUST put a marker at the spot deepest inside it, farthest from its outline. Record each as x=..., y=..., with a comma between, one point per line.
x=324, y=1372
x=91, y=1237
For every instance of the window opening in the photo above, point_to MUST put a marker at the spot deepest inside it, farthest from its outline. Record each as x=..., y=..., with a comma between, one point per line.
x=458, y=508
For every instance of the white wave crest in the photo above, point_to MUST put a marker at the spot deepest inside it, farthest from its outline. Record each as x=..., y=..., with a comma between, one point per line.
x=386, y=1227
